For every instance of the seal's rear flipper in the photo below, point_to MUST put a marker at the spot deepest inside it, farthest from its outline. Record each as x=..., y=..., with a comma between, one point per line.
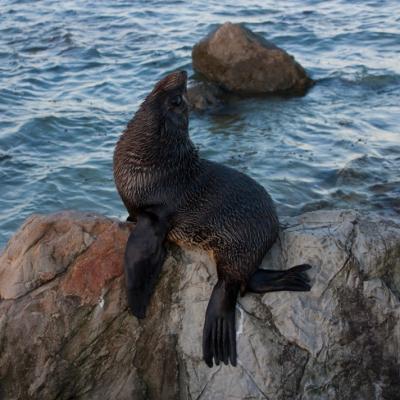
x=144, y=257
x=219, y=333
x=293, y=279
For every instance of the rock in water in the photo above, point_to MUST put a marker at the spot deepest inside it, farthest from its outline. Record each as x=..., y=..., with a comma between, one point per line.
x=65, y=331
x=244, y=62
x=203, y=96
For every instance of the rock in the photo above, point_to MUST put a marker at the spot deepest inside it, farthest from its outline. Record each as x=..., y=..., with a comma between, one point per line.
x=65, y=331
x=63, y=321
x=204, y=95
x=244, y=62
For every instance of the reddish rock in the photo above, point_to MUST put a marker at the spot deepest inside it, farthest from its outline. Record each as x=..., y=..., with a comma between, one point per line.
x=98, y=265
x=64, y=329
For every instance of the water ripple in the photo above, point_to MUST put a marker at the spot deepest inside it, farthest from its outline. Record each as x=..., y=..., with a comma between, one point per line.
x=73, y=73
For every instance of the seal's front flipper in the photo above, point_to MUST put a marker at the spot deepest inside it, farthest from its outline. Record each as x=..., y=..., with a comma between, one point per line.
x=293, y=279
x=144, y=257
x=219, y=334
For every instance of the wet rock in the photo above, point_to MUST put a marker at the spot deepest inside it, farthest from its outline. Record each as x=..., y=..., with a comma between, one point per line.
x=244, y=62
x=204, y=95
x=65, y=331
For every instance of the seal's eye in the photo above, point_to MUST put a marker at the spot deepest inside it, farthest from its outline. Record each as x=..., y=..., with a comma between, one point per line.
x=176, y=101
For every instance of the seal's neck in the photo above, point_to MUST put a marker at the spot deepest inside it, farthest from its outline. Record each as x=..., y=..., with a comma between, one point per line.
x=150, y=141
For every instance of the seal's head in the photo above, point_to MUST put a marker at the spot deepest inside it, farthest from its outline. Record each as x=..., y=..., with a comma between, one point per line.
x=169, y=99
x=158, y=133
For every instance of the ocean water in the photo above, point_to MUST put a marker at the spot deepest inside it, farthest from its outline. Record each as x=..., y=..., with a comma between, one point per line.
x=72, y=74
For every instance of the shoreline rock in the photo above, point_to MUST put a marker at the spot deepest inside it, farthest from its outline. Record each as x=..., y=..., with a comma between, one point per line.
x=65, y=331
x=238, y=60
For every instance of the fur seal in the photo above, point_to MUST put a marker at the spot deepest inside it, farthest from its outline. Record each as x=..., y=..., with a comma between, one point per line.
x=176, y=195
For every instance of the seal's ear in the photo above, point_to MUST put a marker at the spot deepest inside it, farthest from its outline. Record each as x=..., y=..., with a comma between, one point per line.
x=144, y=257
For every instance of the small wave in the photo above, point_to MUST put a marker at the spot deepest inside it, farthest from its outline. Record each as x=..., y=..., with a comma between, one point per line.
x=4, y=157
x=362, y=170
x=34, y=49
x=375, y=81
x=365, y=79
x=386, y=187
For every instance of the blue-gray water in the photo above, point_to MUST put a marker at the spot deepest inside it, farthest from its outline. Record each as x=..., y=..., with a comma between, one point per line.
x=72, y=74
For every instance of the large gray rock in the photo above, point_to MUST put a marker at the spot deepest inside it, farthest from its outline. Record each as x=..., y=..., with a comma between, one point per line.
x=65, y=331
x=244, y=62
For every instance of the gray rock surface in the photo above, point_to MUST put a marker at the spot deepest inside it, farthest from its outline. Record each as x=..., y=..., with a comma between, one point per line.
x=65, y=331
x=243, y=62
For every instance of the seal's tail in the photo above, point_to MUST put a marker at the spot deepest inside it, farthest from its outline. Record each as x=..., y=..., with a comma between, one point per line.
x=267, y=280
